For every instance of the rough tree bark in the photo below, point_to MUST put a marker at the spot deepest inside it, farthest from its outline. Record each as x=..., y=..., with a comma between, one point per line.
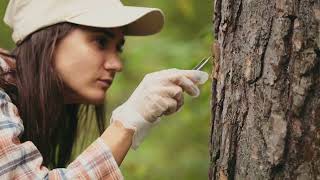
x=266, y=90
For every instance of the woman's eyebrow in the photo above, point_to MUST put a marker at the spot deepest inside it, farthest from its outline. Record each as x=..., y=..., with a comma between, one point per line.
x=105, y=32
x=111, y=35
x=108, y=33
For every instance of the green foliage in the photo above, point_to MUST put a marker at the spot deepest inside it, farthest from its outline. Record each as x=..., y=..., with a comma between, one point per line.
x=178, y=147
x=5, y=32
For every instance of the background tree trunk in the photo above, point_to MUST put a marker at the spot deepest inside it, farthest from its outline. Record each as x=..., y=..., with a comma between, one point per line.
x=266, y=90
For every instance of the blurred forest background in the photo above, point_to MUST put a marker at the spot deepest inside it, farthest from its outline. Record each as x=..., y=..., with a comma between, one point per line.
x=178, y=147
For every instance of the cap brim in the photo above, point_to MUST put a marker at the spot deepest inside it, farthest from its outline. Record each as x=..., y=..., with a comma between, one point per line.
x=137, y=21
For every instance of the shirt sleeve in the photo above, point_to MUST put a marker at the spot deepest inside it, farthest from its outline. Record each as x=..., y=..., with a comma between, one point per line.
x=24, y=161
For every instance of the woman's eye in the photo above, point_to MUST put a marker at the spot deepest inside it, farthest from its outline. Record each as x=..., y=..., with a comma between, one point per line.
x=102, y=42
x=120, y=48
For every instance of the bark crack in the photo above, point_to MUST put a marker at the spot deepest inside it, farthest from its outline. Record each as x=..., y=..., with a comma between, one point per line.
x=245, y=113
x=213, y=110
x=238, y=14
x=217, y=16
x=233, y=145
x=262, y=59
x=288, y=40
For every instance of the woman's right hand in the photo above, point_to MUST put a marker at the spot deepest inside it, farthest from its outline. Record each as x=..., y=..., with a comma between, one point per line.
x=159, y=93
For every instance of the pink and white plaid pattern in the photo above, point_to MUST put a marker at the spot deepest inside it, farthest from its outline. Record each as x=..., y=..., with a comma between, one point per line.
x=24, y=161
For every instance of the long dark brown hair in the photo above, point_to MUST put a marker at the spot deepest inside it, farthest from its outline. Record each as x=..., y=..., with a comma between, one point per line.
x=38, y=93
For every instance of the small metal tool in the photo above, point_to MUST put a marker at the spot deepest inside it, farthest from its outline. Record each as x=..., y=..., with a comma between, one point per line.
x=203, y=62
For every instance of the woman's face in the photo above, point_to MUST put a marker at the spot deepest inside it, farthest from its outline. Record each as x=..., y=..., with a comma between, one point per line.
x=87, y=60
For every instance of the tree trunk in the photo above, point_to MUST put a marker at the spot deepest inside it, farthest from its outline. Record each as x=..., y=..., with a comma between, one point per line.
x=266, y=90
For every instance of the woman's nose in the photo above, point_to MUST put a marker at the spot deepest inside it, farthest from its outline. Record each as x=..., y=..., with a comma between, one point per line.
x=113, y=62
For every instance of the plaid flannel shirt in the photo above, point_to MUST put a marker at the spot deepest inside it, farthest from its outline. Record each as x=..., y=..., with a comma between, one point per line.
x=24, y=161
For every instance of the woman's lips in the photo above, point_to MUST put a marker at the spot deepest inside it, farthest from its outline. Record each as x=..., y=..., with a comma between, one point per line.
x=105, y=83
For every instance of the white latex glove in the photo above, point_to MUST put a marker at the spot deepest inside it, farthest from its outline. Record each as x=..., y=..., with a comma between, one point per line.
x=159, y=93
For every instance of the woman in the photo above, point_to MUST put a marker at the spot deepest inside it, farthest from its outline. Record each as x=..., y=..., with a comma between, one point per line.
x=67, y=55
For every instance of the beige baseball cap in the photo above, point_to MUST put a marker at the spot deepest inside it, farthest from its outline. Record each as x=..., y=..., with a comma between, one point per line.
x=28, y=16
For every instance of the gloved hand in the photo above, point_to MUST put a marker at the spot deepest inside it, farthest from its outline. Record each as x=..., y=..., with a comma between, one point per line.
x=159, y=93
